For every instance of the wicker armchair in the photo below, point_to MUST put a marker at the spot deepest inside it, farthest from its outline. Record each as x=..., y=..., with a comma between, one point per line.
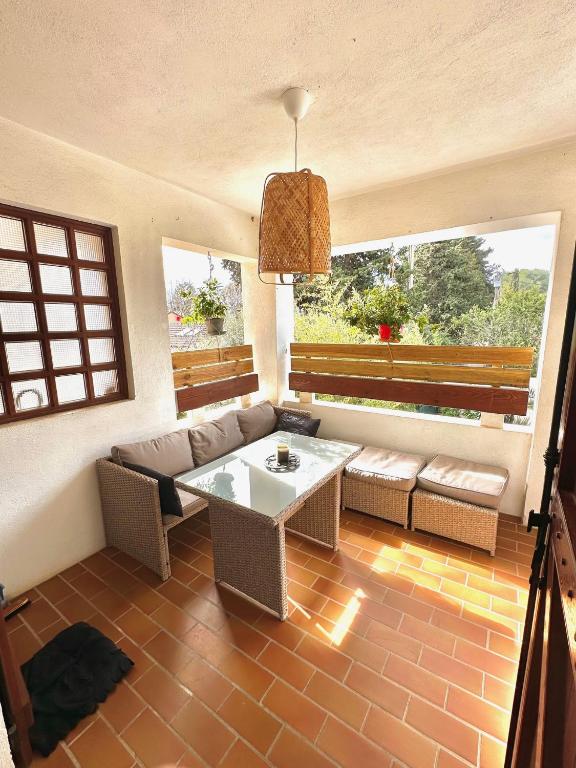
x=132, y=518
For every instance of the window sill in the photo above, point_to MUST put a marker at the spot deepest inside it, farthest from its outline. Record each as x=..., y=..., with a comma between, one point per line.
x=410, y=415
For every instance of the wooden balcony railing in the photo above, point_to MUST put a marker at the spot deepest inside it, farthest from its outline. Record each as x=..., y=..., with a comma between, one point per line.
x=486, y=379
x=210, y=375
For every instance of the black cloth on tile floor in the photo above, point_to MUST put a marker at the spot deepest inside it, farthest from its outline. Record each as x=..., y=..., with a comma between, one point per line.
x=68, y=678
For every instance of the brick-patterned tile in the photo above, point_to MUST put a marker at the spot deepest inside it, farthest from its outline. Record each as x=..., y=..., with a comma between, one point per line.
x=421, y=674
x=241, y=756
x=330, y=660
x=98, y=745
x=485, y=716
x=203, y=732
x=295, y=709
x=416, y=679
x=153, y=741
x=443, y=728
x=286, y=665
x=171, y=653
x=337, y=699
x=291, y=750
x=349, y=749
x=248, y=675
x=205, y=682
x=121, y=707
x=250, y=720
x=378, y=689
x=161, y=692
x=400, y=740
x=452, y=670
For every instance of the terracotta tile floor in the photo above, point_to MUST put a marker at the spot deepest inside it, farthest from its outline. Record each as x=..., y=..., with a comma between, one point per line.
x=400, y=650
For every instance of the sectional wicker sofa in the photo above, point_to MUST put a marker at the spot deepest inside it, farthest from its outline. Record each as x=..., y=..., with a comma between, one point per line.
x=131, y=508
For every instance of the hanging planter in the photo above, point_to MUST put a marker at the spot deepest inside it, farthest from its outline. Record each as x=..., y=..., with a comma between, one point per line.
x=215, y=326
x=382, y=310
x=208, y=307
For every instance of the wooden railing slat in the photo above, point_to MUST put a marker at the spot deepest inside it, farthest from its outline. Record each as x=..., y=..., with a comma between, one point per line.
x=204, y=374
x=205, y=394
x=511, y=377
x=487, y=399
x=206, y=356
x=518, y=356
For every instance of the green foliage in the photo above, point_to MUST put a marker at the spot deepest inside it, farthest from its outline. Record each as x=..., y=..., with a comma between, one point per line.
x=322, y=328
x=449, y=278
x=516, y=320
x=206, y=304
x=520, y=279
x=376, y=306
x=351, y=273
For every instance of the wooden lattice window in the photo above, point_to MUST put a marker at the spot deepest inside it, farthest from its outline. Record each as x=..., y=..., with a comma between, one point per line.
x=60, y=334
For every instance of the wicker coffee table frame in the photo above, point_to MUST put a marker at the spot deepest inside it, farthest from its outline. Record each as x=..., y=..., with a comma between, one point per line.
x=454, y=519
x=250, y=548
x=376, y=500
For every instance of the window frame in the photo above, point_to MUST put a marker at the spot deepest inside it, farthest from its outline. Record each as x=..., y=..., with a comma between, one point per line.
x=39, y=299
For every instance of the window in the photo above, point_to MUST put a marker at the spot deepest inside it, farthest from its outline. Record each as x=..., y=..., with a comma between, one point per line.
x=60, y=337
x=486, y=289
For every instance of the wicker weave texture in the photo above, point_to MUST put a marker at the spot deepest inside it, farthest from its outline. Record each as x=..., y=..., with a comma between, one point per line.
x=455, y=519
x=319, y=516
x=132, y=518
x=250, y=556
x=295, y=224
x=376, y=500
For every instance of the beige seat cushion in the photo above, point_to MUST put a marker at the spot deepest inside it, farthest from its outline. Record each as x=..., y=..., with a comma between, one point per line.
x=467, y=481
x=170, y=454
x=257, y=422
x=191, y=505
x=215, y=438
x=391, y=469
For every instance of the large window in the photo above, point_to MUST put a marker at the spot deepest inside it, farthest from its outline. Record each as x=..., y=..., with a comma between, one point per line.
x=489, y=289
x=60, y=337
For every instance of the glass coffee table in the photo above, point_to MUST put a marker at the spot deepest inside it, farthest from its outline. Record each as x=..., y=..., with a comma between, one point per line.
x=250, y=507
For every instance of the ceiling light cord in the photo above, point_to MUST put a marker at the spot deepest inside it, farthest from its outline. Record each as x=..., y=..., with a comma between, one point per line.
x=295, y=144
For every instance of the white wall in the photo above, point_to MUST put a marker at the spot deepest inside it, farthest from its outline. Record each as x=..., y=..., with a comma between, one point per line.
x=529, y=184
x=49, y=504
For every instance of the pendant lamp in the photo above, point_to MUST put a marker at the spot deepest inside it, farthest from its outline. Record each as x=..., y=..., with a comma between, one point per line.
x=294, y=218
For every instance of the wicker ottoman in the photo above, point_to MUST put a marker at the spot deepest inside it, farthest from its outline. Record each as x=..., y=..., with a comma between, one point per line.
x=459, y=500
x=379, y=481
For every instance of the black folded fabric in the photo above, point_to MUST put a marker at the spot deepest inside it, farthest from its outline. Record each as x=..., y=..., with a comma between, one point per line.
x=67, y=679
x=170, y=503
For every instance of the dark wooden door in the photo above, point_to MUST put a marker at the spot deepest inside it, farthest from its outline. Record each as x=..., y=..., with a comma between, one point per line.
x=543, y=723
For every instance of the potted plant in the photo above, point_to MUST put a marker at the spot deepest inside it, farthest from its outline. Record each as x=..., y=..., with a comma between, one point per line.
x=382, y=310
x=208, y=307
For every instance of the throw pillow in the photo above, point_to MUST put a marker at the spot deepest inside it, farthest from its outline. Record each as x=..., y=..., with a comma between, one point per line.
x=170, y=503
x=257, y=422
x=297, y=423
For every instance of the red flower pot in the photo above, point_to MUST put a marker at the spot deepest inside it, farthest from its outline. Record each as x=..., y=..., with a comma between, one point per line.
x=385, y=332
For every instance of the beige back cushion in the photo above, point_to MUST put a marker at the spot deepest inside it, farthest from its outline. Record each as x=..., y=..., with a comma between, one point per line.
x=215, y=438
x=468, y=481
x=381, y=466
x=170, y=454
x=257, y=422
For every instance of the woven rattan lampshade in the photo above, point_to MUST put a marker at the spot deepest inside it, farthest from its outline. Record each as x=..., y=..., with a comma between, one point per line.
x=294, y=225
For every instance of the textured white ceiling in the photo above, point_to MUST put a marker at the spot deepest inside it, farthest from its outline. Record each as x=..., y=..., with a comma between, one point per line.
x=188, y=91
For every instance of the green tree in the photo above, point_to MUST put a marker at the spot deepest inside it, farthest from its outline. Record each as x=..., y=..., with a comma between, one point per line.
x=515, y=321
x=451, y=277
x=521, y=279
x=351, y=273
